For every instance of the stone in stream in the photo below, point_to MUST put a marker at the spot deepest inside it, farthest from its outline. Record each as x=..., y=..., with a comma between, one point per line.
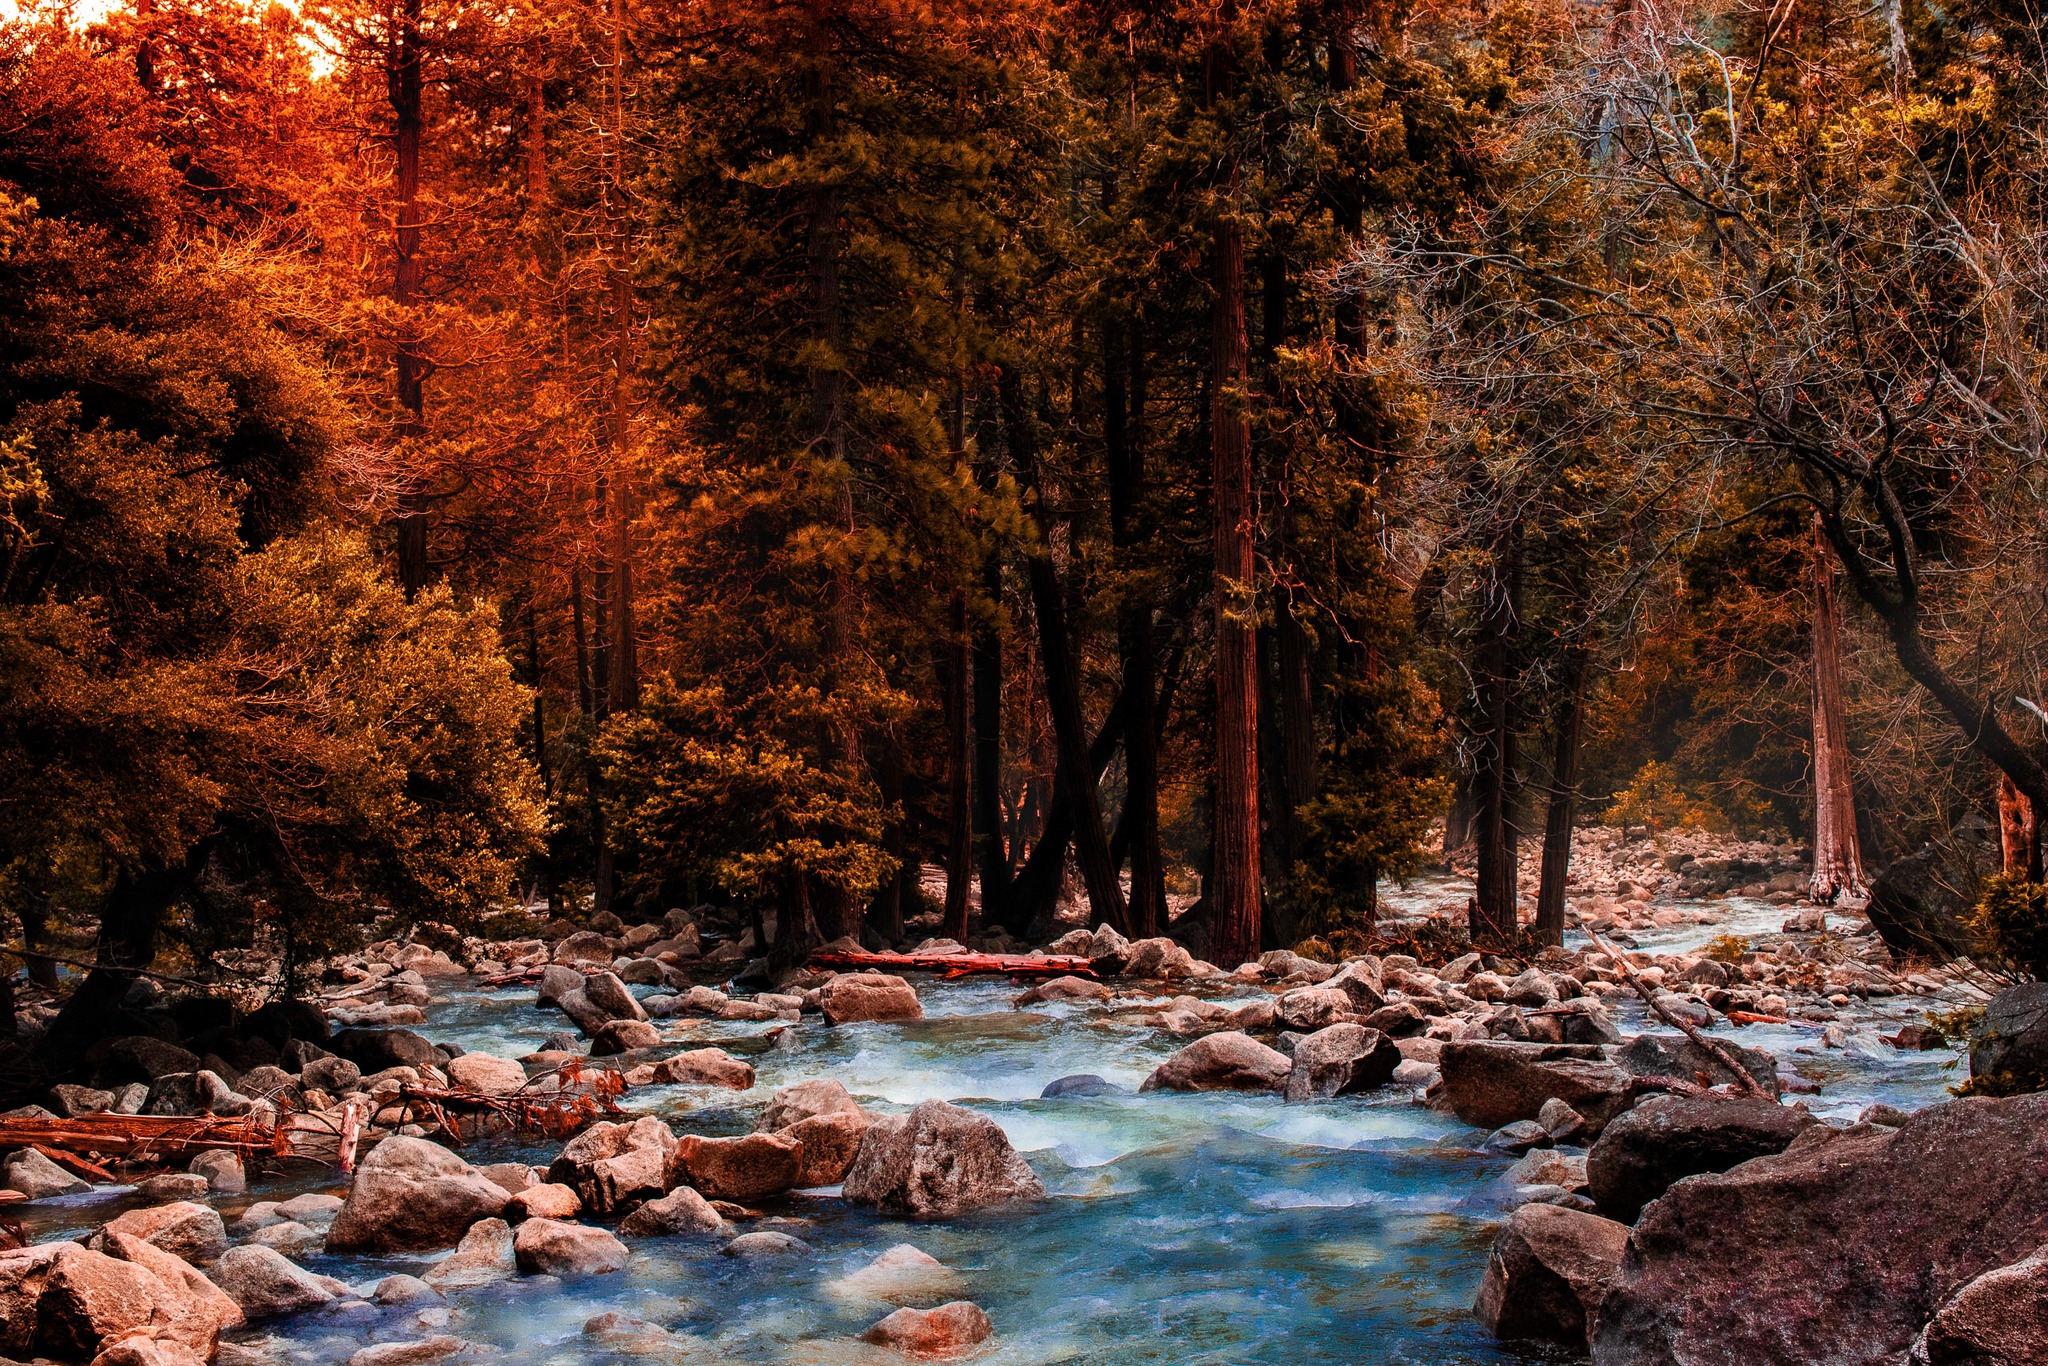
x=1999, y=1319
x=751, y=1167
x=852, y=997
x=184, y=1229
x=804, y=1100
x=1081, y=1084
x=399, y=1291
x=171, y=1187
x=268, y=1285
x=1063, y=989
x=612, y=1166
x=605, y=991
x=903, y=1275
x=947, y=1331
x=2009, y=1050
x=1158, y=958
x=68, y=1302
x=681, y=1211
x=767, y=1243
x=584, y=949
x=549, y=1247
x=705, y=1067
x=493, y=1076
x=1674, y=1055
x=1340, y=1060
x=936, y=1162
x=1839, y=1249
x=484, y=1255
x=614, y=1037
x=1550, y=1269
x=408, y=1353
x=410, y=1195
x=1668, y=1138
x=1312, y=1008
x=373, y=1050
x=1493, y=1082
x=556, y=982
x=544, y=1201
x=1222, y=1062
x=830, y=1144
x=37, y=1177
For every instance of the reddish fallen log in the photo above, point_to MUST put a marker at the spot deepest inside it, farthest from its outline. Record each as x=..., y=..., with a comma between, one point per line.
x=144, y=1140
x=950, y=965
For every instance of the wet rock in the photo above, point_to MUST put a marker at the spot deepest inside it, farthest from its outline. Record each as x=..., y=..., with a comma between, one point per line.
x=1081, y=1084
x=1839, y=1249
x=37, y=1177
x=290, y=1238
x=492, y=1076
x=605, y=991
x=805, y=1100
x=1517, y=1138
x=1561, y=1121
x=1340, y=1060
x=484, y=1255
x=1674, y=1055
x=410, y=1195
x=583, y=1012
x=1158, y=959
x=544, y=1201
x=1999, y=1319
x=191, y=1231
x=399, y=1291
x=2010, y=1046
x=1492, y=1082
x=69, y=1302
x=408, y=1353
x=902, y=1275
x=557, y=981
x=171, y=1187
x=681, y=1211
x=752, y=1167
x=614, y=1037
x=549, y=1247
x=938, y=1161
x=1221, y=1062
x=705, y=1067
x=947, y=1331
x=268, y=1285
x=1360, y=979
x=1397, y=1020
x=853, y=997
x=1668, y=1138
x=767, y=1243
x=1063, y=989
x=830, y=1144
x=373, y=1050
x=612, y=1166
x=1549, y=1272
x=510, y=1177
x=1311, y=1008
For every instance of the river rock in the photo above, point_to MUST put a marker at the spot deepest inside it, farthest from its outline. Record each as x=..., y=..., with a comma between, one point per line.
x=168, y=1188
x=483, y=1256
x=1230, y=1061
x=373, y=1050
x=805, y=1100
x=556, y=982
x=335, y=1076
x=1158, y=959
x=767, y=1243
x=1340, y=1060
x=705, y=1067
x=2010, y=1046
x=544, y=1200
x=585, y=948
x=412, y=1196
x=1081, y=1084
x=681, y=1211
x=1494, y=1082
x=1549, y=1271
x=268, y=1285
x=743, y=1169
x=400, y=1290
x=1999, y=1319
x=1674, y=1055
x=1311, y=1008
x=493, y=1076
x=902, y=1275
x=223, y=1170
x=37, y=1177
x=409, y=1353
x=549, y=1247
x=609, y=994
x=1667, y=1138
x=830, y=1143
x=612, y=1166
x=1838, y=1249
x=938, y=1161
x=69, y=1302
x=853, y=997
x=1921, y=903
x=947, y=1331
x=183, y=1229
x=1063, y=989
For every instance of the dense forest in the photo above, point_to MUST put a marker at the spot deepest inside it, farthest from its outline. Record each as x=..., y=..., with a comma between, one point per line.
x=1200, y=461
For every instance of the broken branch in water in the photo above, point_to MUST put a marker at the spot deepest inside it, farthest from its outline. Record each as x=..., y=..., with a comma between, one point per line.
x=950, y=965
x=1691, y=1031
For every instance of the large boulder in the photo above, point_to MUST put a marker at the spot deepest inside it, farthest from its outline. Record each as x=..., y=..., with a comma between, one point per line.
x=751, y=1167
x=412, y=1196
x=605, y=991
x=614, y=1037
x=2009, y=1051
x=1836, y=1250
x=1921, y=903
x=182, y=1228
x=373, y=1050
x=681, y=1211
x=37, y=1177
x=1311, y=1008
x=493, y=1076
x=267, y=1284
x=830, y=1144
x=1675, y=1055
x=947, y=1331
x=1063, y=989
x=1668, y=1138
x=804, y=1100
x=1549, y=1270
x=853, y=997
x=612, y=1167
x=1340, y=1060
x=705, y=1067
x=1229, y=1061
x=902, y=1275
x=483, y=1256
x=546, y=1247
x=1160, y=959
x=938, y=1161
x=68, y=1302
x=1490, y=1083
x=1999, y=1319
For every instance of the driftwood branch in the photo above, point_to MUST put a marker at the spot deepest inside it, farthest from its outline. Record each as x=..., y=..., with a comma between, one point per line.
x=1691, y=1031
x=950, y=965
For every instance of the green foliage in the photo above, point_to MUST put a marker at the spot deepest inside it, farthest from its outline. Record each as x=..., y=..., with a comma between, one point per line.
x=1726, y=948
x=2011, y=919
x=1657, y=801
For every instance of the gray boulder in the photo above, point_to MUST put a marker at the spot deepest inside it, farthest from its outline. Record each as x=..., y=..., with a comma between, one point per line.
x=681, y=1211
x=936, y=1162
x=1340, y=1060
x=1550, y=1269
x=1999, y=1319
x=548, y=1247
x=614, y=1166
x=1229, y=1061
x=267, y=1284
x=1490, y=1083
x=1675, y=1055
x=1668, y=1138
x=412, y=1196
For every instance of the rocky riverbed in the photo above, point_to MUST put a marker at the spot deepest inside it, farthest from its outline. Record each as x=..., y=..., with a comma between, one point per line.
x=1292, y=1160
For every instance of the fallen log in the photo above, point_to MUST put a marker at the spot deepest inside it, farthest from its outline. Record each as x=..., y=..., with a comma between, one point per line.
x=951, y=965
x=143, y=1140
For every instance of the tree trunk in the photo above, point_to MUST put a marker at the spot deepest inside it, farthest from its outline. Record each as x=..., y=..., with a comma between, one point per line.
x=130, y=919
x=1564, y=799
x=1494, y=786
x=1123, y=427
x=1062, y=678
x=403, y=85
x=2019, y=835
x=959, y=824
x=1837, y=856
x=625, y=673
x=1234, y=885
x=988, y=755
x=1034, y=894
x=885, y=911
x=1458, y=819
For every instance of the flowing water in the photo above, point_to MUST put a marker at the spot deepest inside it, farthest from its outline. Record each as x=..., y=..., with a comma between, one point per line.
x=1214, y=1228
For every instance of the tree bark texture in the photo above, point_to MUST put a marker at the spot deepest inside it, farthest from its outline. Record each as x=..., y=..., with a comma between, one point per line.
x=1559, y=816
x=1495, y=755
x=404, y=87
x=1837, y=856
